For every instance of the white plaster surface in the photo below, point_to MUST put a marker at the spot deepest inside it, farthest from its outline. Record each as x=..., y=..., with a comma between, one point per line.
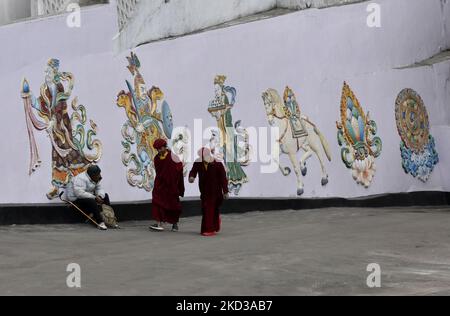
x=312, y=51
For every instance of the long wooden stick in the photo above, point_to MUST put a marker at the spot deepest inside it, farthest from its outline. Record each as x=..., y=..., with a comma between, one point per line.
x=73, y=204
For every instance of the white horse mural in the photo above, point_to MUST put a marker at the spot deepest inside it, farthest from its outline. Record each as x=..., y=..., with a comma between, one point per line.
x=297, y=133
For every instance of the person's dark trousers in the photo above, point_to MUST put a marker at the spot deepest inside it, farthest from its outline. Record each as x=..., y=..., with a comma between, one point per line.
x=90, y=206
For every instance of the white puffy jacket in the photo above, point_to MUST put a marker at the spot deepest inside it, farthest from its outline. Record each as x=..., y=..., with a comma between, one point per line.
x=82, y=187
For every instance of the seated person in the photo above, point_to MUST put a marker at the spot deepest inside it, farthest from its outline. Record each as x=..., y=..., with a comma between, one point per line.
x=85, y=192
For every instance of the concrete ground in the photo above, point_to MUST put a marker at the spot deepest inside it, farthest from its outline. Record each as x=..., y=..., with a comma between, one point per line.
x=309, y=252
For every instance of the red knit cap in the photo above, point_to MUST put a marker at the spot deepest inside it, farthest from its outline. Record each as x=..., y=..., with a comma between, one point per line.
x=159, y=143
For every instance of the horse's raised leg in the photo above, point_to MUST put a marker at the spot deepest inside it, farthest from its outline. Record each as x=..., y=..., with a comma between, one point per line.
x=296, y=165
x=284, y=170
x=308, y=153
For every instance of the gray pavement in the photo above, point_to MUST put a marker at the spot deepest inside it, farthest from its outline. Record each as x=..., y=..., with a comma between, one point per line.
x=309, y=252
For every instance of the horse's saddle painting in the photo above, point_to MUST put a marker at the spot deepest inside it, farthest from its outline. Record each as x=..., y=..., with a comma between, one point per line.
x=297, y=128
x=292, y=111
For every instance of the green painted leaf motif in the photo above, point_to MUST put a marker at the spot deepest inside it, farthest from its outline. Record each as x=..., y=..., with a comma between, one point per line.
x=347, y=158
x=79, y=137
x=341, y=138
x=378, y=144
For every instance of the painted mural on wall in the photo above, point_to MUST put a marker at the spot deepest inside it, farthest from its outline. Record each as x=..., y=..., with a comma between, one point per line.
x=417, y=146
x=148, y=118
x=74, y=144
x=297, y=133
x=357, y=135
x=230, y=142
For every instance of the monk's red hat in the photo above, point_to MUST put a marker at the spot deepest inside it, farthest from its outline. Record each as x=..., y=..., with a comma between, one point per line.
x=159, y=143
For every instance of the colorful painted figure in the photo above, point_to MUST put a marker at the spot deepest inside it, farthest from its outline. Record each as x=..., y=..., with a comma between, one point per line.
x=67, y=134
x=233, y=145
x=297, y=133
x=356, y=134
x=418, y=149
x=145, y=124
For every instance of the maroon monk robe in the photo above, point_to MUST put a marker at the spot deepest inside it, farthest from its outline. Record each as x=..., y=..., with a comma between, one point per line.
x=213, y=185
x=169, y=186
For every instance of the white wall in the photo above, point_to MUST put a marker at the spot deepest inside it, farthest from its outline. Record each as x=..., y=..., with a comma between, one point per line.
x=12, y=10
x=47, y=7
x=158, y=19
x=313, y=51
x=303, y=4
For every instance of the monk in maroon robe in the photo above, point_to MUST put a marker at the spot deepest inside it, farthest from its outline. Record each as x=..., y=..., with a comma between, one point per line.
x=213, y=186
x=169, y=186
